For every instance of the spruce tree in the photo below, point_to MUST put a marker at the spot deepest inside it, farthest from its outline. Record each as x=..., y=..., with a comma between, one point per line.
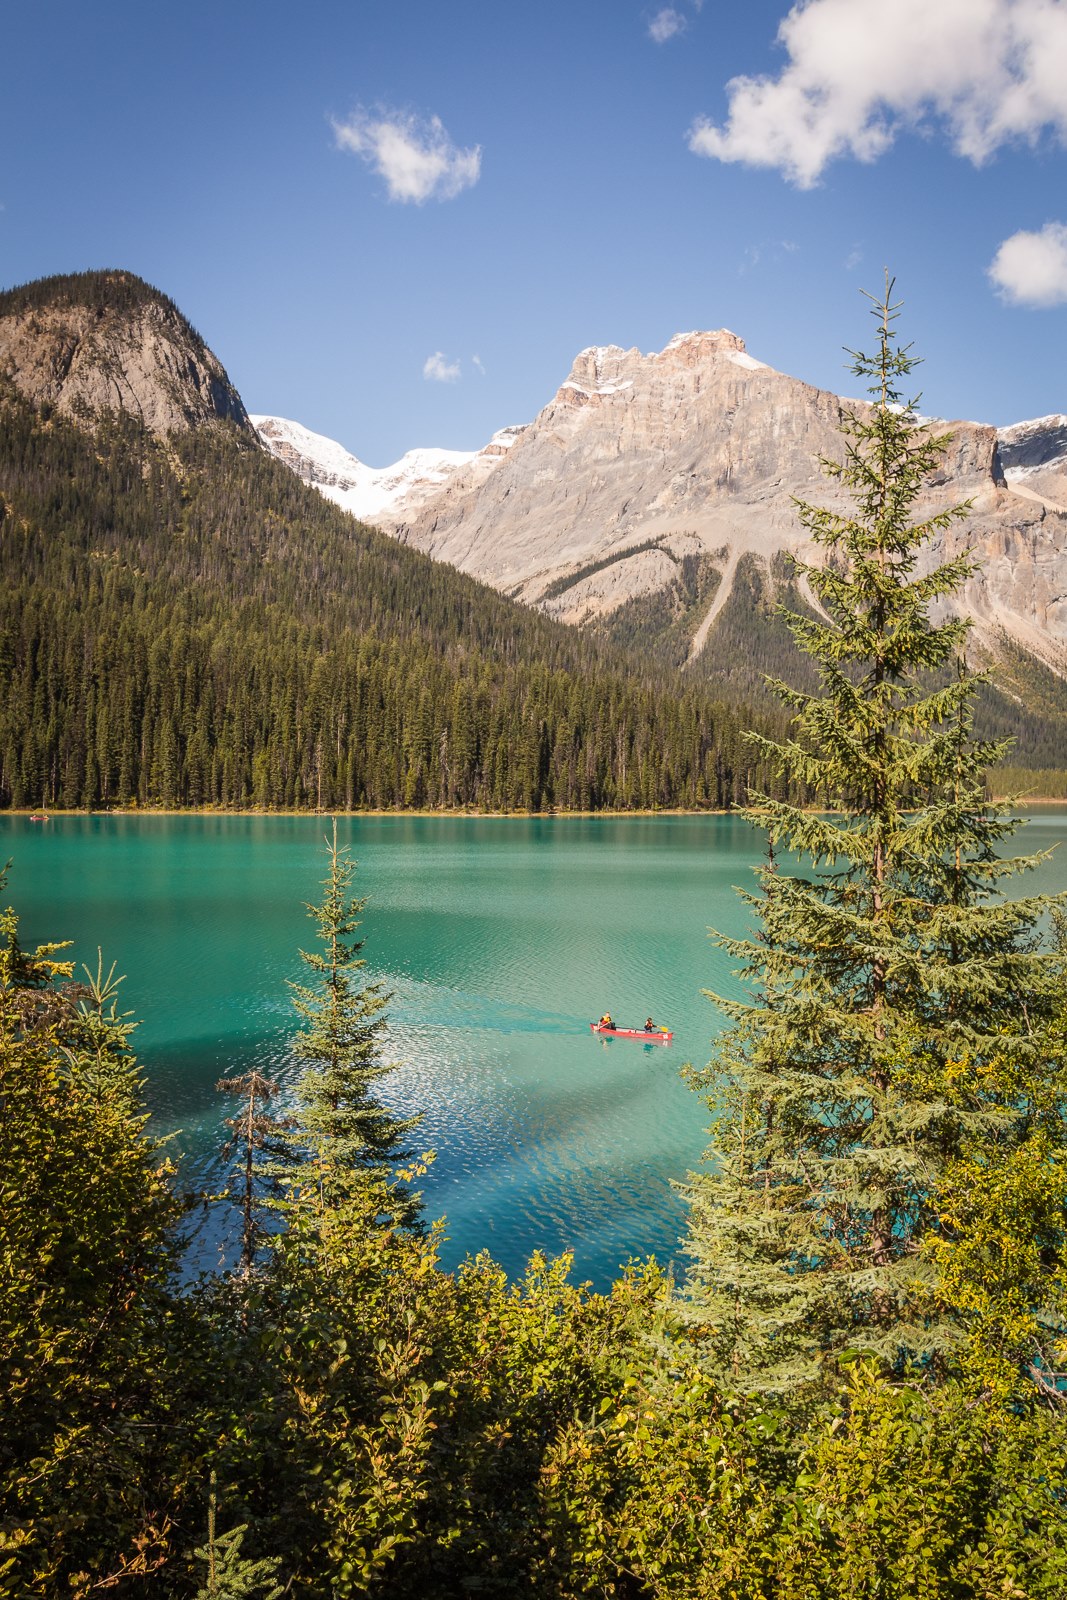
x=258, y=1149
x=231, y=1575
x=100, y=1052
x=344, y=1126
x=886, y=973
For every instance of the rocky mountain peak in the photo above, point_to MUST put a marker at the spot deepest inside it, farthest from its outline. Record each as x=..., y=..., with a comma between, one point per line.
x=689, y=349
x=648, y=476
x=94, y=342
x=1034, y=446
x=602, y=371
x=697, y=454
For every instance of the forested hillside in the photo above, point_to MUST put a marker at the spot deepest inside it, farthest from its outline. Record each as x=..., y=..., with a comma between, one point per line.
x=184, y=623
x=122, y=293
x=1024, y=700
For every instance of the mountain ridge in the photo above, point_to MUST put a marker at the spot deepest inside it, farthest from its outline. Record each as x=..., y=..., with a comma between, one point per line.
x=106, y=341
x=183, y=623
x=370, y=492
x=696, y=452
x=270, y=650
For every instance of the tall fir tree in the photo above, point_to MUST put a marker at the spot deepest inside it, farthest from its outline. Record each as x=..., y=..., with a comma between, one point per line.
x=886, y=974
x=100, y=1051
x=346, y=1129
x=257, y=1151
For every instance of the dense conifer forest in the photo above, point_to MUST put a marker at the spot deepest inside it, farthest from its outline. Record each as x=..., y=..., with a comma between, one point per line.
x=118, y=291
x=189, y=625
x=1023, y=700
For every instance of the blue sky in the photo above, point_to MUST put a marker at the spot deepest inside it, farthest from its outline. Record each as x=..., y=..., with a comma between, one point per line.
x=354, y=201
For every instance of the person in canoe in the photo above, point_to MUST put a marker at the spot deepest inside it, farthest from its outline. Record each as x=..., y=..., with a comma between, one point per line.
x=650, y=1026
x=606, y=1021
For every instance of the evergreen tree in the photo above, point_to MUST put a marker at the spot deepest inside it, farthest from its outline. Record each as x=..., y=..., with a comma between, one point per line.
x=231, y=1575
x=884, y=972
x=100, y=1052
x=344, y=1125
x=93, y=1372
x=256, y=1138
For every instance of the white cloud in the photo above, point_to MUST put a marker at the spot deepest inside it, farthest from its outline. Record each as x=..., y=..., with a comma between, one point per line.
x=990, y=71
x=770, y=249
x=1030, y=269
x=415, y=156
x=476, y=361
x=438, y=370
x=665, y=24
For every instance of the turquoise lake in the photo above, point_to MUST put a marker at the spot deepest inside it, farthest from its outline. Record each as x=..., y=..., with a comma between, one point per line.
x=501, y=938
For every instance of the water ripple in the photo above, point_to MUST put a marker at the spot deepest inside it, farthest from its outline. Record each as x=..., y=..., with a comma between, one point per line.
x=500, y=939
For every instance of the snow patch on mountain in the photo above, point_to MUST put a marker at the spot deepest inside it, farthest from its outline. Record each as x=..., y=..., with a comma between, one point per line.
x=679, y=338
x=601, y=388
x=741, y=358
x=368, y=492
x=373, y=494
x=1039, y=445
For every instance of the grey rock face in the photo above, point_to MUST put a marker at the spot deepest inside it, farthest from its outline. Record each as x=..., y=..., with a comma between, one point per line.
x=82, y=358
x=1034, y=457
x=1034, y=446
x=699, y=446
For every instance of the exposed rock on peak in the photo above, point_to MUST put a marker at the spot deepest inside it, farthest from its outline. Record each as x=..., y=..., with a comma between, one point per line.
x=502, y=441
x=605, y=370
x=641, y=463
x=688, y=349
x=642, y=468
x=107, y=341
x=599, y=371
x=1037, y=446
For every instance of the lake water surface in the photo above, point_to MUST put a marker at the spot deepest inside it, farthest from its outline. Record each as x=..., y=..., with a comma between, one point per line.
x=501, y=938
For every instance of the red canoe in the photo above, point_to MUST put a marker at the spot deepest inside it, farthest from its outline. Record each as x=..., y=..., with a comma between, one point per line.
x=658, y=1036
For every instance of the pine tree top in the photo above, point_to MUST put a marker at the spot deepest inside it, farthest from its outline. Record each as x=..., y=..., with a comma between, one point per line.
x=112, y=290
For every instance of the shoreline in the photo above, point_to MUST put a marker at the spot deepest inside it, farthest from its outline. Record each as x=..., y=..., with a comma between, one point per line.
x=1025, y=802
x=220, y=811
